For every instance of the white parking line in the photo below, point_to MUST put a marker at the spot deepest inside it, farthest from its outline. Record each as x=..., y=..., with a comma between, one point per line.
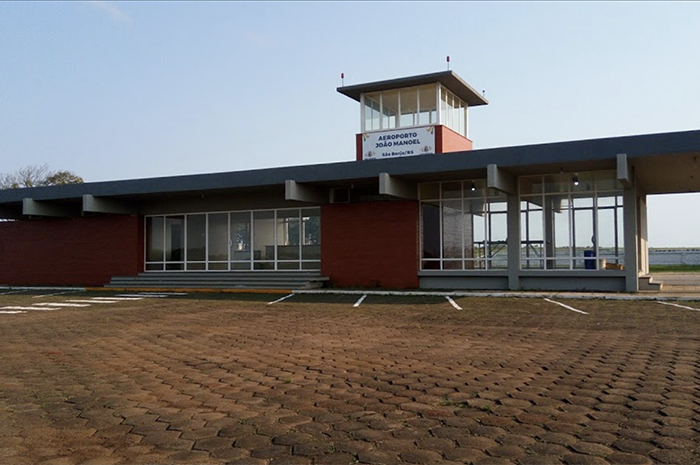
x=162, y=293
x=51, y=295
x=117, y=298
x=41, y=309
x=11, y=292
x=143, y=296
x=454, y=304
x=58, y=304
x=94, y=301
x=280, y=300
x=680, y=306
x=10, y=312
x=566, y=306
x=359, y=302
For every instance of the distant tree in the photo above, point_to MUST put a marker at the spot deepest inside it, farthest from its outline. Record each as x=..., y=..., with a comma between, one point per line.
x=63, y=177
x=37, y=175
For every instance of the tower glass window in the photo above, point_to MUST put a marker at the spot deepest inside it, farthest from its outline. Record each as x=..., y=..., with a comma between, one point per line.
x=414, y=106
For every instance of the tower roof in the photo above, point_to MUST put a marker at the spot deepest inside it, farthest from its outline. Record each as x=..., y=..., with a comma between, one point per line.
x=449, y=79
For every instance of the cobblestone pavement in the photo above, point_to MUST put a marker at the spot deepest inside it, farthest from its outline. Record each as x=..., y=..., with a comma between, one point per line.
x=395, y=380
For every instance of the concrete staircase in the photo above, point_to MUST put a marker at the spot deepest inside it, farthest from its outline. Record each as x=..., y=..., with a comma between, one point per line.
x=646, y=283
x=220, y=280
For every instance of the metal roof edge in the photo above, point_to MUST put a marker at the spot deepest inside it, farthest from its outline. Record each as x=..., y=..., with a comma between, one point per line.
x=534, y=154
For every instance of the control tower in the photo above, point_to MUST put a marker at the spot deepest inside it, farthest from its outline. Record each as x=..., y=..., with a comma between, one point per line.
x=414, y=115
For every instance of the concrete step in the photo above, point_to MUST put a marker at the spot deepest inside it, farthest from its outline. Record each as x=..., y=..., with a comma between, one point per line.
x=646, y=283
x=221, y=280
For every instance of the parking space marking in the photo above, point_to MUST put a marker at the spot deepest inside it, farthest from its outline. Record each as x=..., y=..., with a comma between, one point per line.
x=59, y=304
x=73, y=303
x=51, y=295
x=11, y=292
x=280, y=299
x=451, y=301
x=162, y=293
x=566, y=306
x=679, y=306
x=144, y=296
x=360, y=300
x=44, y=309
x=77, y=301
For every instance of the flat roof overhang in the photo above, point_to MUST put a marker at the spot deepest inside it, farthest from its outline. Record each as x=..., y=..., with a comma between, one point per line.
x=448, y=79
x=664, y=163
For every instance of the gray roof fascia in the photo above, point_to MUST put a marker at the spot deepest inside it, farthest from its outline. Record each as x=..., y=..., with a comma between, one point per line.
x=449, y=79
x=415, y=167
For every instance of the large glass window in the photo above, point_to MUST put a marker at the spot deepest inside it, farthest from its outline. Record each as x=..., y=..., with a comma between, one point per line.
x=240, y=240
x=463, y=226
x=196, y=242
x=285, y=239
x=311, y=238
x=571, y=221
x=155, y=243
x=218, y=241
x=174, y=242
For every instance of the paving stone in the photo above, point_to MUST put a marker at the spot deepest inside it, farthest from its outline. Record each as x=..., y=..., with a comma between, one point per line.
x=336, y=458
x=493, y=461
x=252, y=441
x=291, y=460
x=377, y=457
x=369, y=383
x=539, y=460
x=582, y=459
x=464, y=454
x=420, y=456
x=591, y=448
x=271, y=452
x=509, y=452
x=477, y=442
x=210, y=444
x=634, y=447
x=675, y=456
x=620, y=458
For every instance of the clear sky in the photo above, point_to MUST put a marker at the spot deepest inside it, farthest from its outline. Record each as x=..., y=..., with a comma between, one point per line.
x=116, y=90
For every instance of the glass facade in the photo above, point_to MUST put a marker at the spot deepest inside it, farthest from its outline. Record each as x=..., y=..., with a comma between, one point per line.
x=414, y=106
x=571, y=221
x=284, y=239
x=463, y=226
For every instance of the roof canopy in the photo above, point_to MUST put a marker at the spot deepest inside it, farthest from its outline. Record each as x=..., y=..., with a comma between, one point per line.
x=448, y=79
x=662, y=163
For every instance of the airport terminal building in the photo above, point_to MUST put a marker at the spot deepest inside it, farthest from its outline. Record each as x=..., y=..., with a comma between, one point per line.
x=418, y=208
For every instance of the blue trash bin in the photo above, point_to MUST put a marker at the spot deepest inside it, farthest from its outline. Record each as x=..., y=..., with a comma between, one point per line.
x=589, y=263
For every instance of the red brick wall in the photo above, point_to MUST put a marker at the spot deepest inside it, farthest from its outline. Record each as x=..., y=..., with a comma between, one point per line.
x=370, y=244
x=358, y=147
x=84, y=251
x=446, y=140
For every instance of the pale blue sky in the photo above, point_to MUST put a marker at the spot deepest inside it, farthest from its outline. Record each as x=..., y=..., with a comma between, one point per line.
x=115, y=90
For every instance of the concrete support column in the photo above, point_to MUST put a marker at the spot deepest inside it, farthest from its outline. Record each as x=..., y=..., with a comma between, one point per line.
x=513, y=217
x=631, y=239
x=643, y=235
